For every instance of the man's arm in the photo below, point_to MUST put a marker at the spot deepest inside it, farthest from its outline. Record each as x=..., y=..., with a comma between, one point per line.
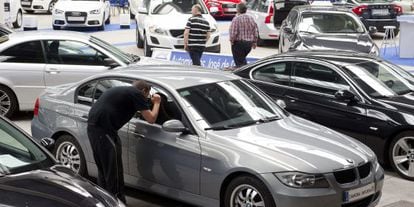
x=151, y=115
x=233, y=31
x=186, y=35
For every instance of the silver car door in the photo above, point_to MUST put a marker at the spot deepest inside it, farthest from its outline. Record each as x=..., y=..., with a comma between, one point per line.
x=72, y=61
x=165, y=158
x=21, y=68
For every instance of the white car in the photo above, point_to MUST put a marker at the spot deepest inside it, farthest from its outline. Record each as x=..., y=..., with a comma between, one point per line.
x=12, y=14
x=161, y=24
x=30, y=6
x=81, y=13
x=406, y=5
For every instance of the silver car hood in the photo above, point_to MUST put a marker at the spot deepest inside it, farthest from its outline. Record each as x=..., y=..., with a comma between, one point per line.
x=295, y=144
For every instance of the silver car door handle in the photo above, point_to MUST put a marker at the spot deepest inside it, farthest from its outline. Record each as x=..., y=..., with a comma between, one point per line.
x=52, y=71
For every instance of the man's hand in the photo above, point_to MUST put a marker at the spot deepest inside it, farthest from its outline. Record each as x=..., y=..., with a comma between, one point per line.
x=156, y=98
x=186, y=47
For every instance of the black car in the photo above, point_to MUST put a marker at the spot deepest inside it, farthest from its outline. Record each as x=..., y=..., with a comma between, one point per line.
x=359, y=95
x=375, y=13
x=324, y=28
x=29, y=176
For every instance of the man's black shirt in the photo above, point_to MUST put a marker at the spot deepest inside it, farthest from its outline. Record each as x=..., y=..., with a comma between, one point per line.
x=116, y=107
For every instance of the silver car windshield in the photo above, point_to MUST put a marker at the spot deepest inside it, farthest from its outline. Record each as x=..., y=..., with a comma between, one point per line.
x=164, y=7
x=230, y=104
x=378, y=79
x=319, y=23
x=119, y=54
x=18, y=153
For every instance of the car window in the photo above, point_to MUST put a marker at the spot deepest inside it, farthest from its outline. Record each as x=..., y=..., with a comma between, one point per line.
x=317, y=78
x=28, y=52
x=85, y=93
x=278, y=73
x=292, y=19
x=263, y=5
x=252, y=5
x=88, y=93
x=73, y=53
x=106, y=84
x=313, y=22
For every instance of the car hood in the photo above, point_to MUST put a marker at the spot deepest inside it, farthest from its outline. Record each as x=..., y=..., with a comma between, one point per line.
x=79, y=6
x=56, y=186
x=403, y=103
x=295, y=144
x=350, y=42
x=178, y=22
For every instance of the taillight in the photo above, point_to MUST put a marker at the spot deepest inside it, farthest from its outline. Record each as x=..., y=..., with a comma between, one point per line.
x=359, y=9
x=36, y=107
x=398, y=9
x=269, y=17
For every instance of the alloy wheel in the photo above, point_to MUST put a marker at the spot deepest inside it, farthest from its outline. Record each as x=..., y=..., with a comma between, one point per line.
x=5, y=102
x=403, y=156
x=69, y=156
x=19, y=19
x=246, y=196
x=51, y=6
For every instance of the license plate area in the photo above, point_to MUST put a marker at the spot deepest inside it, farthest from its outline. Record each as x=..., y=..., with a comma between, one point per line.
x=380, y=12
x=230, y=10
x=359, y=193
x=180, y=42
x=78, y=19
x=26, y=3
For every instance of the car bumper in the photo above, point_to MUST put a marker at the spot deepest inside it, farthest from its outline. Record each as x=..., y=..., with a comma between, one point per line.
x=380, y=24
x=39, y=130
x=285, y=196
x=90, y=20
x=36, y=6
x=169, y=42
x=269, y=32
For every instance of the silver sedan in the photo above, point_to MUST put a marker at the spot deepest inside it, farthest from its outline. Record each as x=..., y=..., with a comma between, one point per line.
x=33, y=61
x=218, y=141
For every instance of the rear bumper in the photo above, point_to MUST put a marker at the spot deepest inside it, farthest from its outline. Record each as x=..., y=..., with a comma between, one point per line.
x=380, y=24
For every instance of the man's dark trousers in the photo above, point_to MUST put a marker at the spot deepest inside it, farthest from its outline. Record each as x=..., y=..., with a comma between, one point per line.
x=107, y=151
x=195, y=54
x=240, y=50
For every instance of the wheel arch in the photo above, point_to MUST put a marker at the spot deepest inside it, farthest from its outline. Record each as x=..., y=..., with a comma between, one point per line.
x=392, y=136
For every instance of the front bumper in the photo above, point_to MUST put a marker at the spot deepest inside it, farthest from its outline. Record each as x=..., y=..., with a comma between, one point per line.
x=380, y=24
x=89, y=20
x=35, y=5
x=169, y=42
x=333, y=197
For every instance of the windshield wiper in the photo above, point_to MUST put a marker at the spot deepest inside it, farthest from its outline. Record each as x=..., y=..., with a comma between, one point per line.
x=269, y=119
x=225, y=127
x=233, y=126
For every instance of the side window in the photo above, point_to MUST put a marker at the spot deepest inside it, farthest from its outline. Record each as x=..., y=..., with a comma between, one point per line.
x=104, y=85
x=317, y=78
x=252, y=5
x=85, y=93
x=263, y=6
x=28, y=52
x=278, y=73
x=73, y=53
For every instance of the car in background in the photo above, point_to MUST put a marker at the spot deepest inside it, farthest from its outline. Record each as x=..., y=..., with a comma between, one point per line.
x=33, y=61
x=406, y=5
x=30, y=176
x=81, y=13
x=4, y=31
x=359, y=95
x=325, y=28
x=222, y=8
x=31, y=6
x=12, y=14
x=218, y=140
x=269, y=19
x=375, y=13
x=156, y=29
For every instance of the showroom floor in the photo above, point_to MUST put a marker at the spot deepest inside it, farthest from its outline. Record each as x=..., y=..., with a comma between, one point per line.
x=397, y=192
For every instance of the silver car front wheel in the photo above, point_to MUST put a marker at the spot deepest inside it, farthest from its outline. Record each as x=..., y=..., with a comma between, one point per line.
x=247, y=191
x=246, y=196
x=402, y=155
x=8, y=102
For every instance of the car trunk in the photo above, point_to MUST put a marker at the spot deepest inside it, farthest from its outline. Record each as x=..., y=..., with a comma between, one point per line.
x=380, y=11
x=282, y=9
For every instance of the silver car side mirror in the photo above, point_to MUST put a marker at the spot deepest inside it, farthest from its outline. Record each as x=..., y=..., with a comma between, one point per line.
x=281, y=103
x=174, y=125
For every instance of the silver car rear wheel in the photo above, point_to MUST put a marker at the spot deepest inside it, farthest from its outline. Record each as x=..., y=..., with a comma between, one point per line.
x=68, y=155
x=5, y=103
x=403, y=156
x=8, y=102
x=246, y=196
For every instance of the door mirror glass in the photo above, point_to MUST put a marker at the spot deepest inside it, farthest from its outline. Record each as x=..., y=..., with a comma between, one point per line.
x=372, y=30
x=288, y=29
x=174, y=125
x=142, y=10
x=281, y=103
x=344, y=95
x=48, y=143
x=109, y=62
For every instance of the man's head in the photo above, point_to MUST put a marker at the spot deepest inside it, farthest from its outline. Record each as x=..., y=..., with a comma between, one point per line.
x=196, y=9
x=142, y=86
x=241, y=8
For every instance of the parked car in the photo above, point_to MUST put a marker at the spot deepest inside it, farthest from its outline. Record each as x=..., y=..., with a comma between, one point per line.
x=406, y=5
x=269, y=17
x=12, y=13
x=30, y=176
x=33, y=61
x=31, y=6
x=4, y=31
x=222, y=8
x=81, y=13
x=325, y=28
x=217, y=140
x=156, y=28
x=376, y=13
x=359, y=95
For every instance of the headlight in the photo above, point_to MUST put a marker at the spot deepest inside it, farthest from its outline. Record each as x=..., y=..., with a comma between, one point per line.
x=374, y=51
x=58, y=11
x=158, y=30
x=302, y=180
x=214, y=28
x=96, y=11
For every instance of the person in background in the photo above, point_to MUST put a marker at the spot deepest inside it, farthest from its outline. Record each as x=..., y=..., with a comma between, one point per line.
x=196, y=34
x=243, y=35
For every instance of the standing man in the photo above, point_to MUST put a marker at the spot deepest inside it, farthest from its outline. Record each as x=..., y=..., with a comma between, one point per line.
x=196, y=34
x=243, y=35
x=112, y=111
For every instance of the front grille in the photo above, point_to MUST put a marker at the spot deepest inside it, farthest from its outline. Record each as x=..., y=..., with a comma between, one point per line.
x=177, y=33
x=345, y=176
x=364, y=202
x=76, y=14
x=364, y=170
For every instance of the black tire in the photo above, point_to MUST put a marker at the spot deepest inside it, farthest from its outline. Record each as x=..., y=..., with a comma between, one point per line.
x=395, y=149
x=280, y=45
x=131, y=15
x=56, y=27
x=108, y=21
x=102, y=27
x=251, y=182
x=8, y=102
x=147, y=48
x=69, y=141
x=260, y=42
x=51, y=7
x=140, y=43
x=29, y=11
x=19, y=20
